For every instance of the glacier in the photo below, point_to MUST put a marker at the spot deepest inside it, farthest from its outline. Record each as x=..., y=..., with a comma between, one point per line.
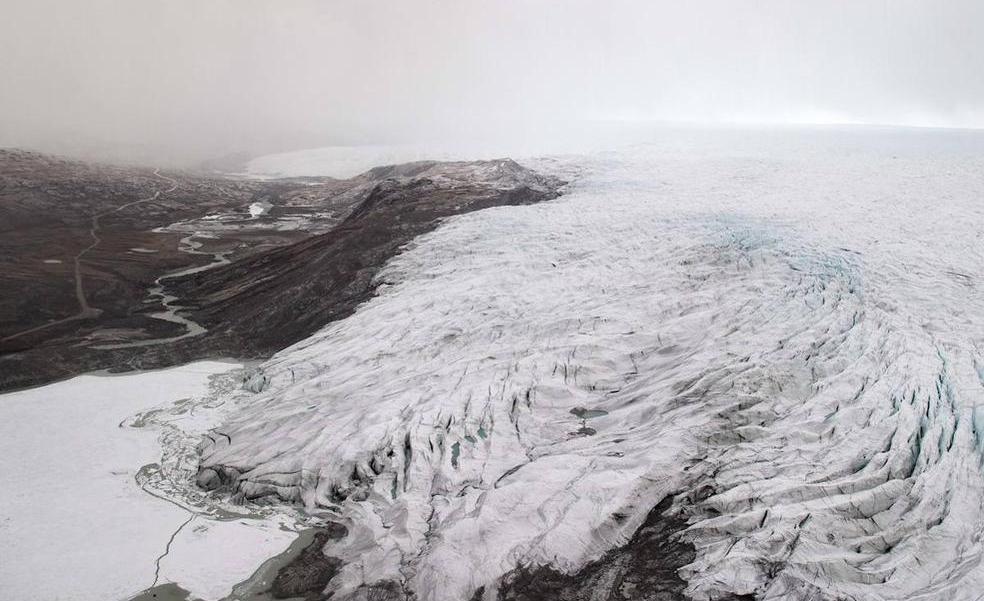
x=777, y=333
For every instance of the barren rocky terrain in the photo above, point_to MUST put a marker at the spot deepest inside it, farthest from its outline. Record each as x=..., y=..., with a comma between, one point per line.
x=119, y=268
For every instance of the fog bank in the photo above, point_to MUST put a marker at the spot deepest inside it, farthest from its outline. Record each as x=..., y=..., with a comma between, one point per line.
x=183, y=80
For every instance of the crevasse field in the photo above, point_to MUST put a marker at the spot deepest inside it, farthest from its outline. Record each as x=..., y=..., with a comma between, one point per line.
x=782, y=331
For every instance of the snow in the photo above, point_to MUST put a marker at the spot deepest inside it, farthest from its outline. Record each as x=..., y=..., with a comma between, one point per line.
x=789, y=320
x=211, y=556
x=258, y=208
x=71, y=507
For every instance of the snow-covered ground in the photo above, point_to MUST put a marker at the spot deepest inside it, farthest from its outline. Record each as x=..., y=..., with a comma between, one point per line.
x=784, y=329
x=80, y=517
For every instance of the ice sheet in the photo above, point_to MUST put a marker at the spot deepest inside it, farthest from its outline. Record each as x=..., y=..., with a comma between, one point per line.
x=783, y=328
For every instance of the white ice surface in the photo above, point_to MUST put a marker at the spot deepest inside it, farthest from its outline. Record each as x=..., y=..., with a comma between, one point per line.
x=258, y=208
x=790, y=322
x=210, y=556
x=74, y=524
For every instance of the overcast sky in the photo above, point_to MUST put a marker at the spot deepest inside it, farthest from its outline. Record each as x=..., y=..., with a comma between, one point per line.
x=192, y=78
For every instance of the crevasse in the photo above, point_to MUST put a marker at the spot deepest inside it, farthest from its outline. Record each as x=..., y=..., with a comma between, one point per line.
x=788, y=343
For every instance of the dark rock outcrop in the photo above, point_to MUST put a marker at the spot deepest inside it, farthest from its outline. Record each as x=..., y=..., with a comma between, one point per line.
x=645, y=568
x=307, y=576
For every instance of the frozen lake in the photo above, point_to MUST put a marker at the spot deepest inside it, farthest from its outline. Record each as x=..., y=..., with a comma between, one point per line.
x=75, y=523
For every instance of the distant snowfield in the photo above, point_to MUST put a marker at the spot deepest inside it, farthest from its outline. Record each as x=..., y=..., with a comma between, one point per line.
x=349, y=161
x=74, y=523
x=782, y=329
x=338, y=161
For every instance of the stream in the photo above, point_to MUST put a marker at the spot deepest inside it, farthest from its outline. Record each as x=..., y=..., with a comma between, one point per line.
x=170, y=312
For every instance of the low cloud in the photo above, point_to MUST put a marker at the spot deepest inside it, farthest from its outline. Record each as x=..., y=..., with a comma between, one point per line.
x=182, y=80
